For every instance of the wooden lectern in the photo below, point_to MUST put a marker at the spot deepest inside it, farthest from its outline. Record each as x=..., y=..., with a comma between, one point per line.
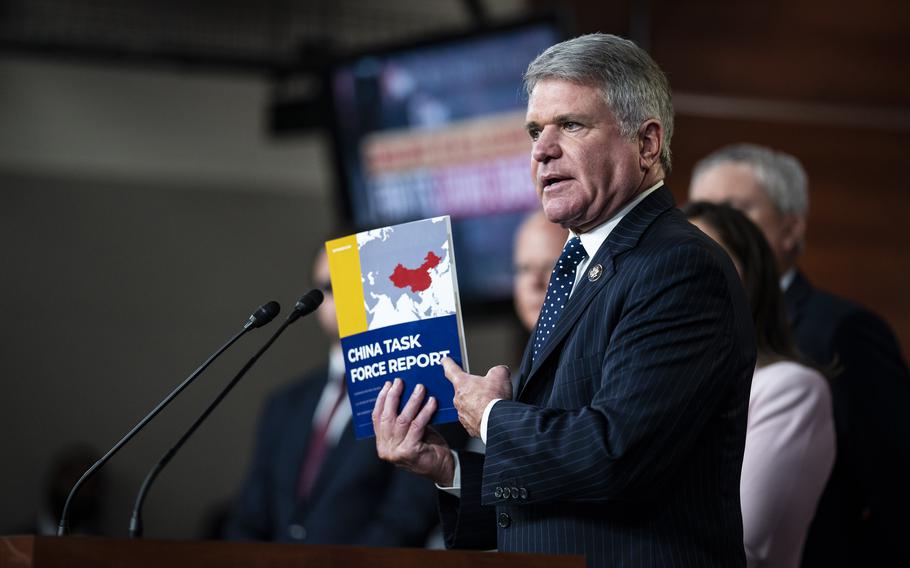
x=79, y=552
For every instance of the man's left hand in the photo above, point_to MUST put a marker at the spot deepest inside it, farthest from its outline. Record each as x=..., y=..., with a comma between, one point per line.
x=473, y=393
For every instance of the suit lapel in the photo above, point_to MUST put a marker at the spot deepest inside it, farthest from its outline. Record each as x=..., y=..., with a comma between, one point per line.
x=525, y=368
x=624, y=237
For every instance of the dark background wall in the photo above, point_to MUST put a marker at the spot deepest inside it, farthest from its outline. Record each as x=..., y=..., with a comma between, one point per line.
x=826, y=82
x=114, y=294
x=145, y=211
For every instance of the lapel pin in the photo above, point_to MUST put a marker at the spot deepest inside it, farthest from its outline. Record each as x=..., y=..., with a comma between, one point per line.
x=595, y=272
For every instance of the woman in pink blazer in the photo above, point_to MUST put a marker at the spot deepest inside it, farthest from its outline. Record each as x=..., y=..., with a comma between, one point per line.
x=790, y=441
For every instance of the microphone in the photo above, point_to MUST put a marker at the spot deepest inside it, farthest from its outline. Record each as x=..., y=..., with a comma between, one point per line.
x=306, y=305
x=259, y=318
x=263, y=315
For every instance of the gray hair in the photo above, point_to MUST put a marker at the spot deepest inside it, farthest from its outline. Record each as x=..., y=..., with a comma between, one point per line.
x=632, y=84
x=780, y=175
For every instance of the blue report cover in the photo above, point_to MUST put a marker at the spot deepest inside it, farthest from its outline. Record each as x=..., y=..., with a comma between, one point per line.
x=399, y=315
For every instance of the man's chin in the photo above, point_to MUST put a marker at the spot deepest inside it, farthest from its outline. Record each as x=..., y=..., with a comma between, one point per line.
x=559, y=215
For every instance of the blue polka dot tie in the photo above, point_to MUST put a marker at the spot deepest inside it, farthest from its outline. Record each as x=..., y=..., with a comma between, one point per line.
x=561, y=281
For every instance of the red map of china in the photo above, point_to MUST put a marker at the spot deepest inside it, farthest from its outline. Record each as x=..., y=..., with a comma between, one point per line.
x=417, y=278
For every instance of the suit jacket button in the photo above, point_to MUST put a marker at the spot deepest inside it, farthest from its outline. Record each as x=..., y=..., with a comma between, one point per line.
x=514, y=493
x=504, y=520
x=498, y=493
x=523, y=493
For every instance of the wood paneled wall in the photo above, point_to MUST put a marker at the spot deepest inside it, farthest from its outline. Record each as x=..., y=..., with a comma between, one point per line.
x=827, y=82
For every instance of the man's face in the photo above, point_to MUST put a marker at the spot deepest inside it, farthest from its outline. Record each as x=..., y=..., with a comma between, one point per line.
x=734, y=184
x=326, y=312
x=584, y=170
x=537, y=246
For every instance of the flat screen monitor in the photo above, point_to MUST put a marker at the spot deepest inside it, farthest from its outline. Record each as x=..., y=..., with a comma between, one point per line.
x=437, y=128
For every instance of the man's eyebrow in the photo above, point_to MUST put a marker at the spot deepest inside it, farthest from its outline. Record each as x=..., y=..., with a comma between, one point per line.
x=570, y=117
x=558, y=119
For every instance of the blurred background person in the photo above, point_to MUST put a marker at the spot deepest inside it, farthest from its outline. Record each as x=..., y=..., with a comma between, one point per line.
x=311, y=481
x=538, y=243
x=536, y=247
x=862, y=515
x=86, y=511
x=790, y=442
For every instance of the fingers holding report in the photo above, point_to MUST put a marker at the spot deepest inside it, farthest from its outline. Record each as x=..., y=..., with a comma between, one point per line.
x=404, y=438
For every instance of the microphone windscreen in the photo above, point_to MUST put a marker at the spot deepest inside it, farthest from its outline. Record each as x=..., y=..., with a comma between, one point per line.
x=265, y=314
x=308, y=302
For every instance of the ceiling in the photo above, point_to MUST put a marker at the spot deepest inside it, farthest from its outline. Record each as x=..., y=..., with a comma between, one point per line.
x=238, y=34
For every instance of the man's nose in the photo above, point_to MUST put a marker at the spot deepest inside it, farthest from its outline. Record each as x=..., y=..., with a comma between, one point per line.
x=546, y=147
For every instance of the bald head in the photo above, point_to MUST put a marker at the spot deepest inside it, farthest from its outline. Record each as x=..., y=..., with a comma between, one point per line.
x=538, y=243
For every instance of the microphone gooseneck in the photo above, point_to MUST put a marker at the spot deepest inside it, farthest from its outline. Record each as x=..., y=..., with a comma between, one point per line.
x=260, y=317
x=305, y=305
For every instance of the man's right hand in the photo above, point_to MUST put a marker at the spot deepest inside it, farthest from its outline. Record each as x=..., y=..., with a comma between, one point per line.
x=405, y=440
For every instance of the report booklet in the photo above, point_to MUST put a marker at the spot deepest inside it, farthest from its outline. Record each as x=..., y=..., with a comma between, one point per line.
x=396, y=296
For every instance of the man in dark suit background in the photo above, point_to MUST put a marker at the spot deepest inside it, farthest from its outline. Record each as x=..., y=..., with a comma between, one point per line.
x=311, y=482
x=621, y=438
x=863, y=514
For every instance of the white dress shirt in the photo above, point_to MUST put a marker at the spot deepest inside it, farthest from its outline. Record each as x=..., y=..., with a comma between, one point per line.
x=329, y=397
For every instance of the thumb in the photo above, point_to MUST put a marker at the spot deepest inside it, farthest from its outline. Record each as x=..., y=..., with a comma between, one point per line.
x=500, y=371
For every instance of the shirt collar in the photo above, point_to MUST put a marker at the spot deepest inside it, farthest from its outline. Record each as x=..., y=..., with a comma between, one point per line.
x=336, y=361
x=593, y=239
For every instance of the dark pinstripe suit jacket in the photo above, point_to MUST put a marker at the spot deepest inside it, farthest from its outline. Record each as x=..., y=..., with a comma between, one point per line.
x=624, y=441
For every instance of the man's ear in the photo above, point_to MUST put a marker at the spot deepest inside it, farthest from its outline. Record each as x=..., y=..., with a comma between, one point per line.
x=650, y=143
x=793, y=234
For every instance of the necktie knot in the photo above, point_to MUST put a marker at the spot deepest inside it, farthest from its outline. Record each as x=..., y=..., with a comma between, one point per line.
x=561, y=281
x=572, y=254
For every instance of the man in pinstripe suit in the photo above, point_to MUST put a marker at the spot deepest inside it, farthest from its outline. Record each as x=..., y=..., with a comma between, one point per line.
x=621, y=438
